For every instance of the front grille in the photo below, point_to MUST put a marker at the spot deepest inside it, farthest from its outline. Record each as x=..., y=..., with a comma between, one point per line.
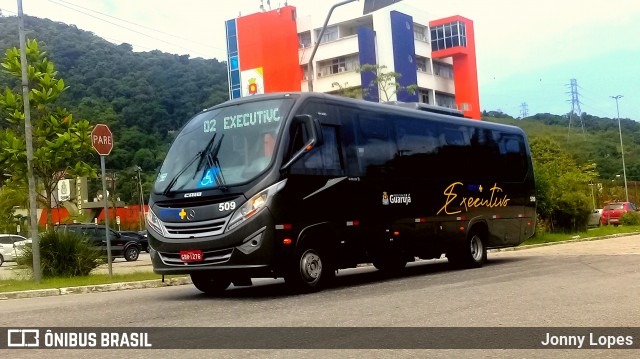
x=199, y=229
x=208, y=258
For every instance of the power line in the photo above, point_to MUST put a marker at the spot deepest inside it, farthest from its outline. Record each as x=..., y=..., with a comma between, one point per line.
x=139, y=25
x=2, y=11
x=124, y=27
x=592, y=100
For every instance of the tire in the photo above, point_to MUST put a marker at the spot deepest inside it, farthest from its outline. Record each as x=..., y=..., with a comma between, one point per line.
x=131, y=253
x=1, y=260
x=310, y=270
x=471, y=253
x=209, y=284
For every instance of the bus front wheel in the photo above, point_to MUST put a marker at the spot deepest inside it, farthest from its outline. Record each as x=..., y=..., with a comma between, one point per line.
x=309, y=271
x=207, y=283
x=471, y=253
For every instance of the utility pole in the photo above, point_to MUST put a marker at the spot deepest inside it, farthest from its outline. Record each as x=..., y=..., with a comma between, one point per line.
x=575, y=106
x=624, y=168
x=524, y=110
x=33, y=209
x=142, y=214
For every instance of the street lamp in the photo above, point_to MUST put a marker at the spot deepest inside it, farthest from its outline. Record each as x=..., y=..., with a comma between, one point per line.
x=315, y=47
x=624, y=168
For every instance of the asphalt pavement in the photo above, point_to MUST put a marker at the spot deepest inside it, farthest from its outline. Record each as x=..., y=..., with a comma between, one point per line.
x=614, y=244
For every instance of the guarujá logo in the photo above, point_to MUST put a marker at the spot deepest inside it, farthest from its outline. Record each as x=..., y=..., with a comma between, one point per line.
x=396, y=199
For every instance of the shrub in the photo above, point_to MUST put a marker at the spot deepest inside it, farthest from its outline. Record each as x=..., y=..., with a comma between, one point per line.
x=63, y=254
x=630, y=218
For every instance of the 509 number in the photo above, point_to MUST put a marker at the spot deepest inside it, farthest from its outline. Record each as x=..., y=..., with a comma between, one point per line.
x=226, y=206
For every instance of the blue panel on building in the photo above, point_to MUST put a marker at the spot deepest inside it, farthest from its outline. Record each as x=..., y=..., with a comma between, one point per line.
x=367, y=48
x=233, y=65
x=231, y=27
x=235, y=77
x=404, y=52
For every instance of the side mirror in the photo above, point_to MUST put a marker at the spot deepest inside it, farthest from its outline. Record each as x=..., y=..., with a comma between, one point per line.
x=314, y=132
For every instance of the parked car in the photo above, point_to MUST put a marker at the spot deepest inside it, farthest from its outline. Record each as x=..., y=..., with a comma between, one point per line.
x=140, y=236
x=8, y=252
x=594, y=218
x=612, y=212
x=121, y=245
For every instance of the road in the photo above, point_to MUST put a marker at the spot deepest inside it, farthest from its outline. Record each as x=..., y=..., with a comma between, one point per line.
x=583, y=284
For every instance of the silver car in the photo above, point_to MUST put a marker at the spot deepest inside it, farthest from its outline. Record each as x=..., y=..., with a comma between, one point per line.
x=8, y=251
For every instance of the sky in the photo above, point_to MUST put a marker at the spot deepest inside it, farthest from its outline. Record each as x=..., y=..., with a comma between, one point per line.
x=527, y=51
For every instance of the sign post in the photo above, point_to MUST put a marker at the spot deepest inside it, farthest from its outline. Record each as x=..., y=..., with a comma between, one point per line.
x=102, y=141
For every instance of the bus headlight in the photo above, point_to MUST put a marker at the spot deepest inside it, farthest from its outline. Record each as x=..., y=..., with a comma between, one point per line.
x=254, y=205
x=154, y=222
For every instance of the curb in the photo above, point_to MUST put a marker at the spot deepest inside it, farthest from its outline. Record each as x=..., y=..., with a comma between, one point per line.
x=588, y=239
x=156, y=283
x=99, y=288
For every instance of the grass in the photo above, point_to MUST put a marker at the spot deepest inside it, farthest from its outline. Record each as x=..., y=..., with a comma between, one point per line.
x=12, y=285
x=590, y=233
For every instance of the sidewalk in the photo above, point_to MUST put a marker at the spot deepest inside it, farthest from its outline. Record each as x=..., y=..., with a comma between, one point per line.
x=118, y=266
x=627, y=245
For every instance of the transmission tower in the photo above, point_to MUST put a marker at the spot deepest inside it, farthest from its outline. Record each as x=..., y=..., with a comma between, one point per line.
x=575, y=106
x=524, y=110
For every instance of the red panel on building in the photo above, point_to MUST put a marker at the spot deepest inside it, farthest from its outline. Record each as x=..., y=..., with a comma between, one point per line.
x=269, y=40
x=465, y=74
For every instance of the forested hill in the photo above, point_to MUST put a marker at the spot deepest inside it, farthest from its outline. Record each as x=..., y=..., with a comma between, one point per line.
x=598, y=143
x=145, y=96
x=142, y=96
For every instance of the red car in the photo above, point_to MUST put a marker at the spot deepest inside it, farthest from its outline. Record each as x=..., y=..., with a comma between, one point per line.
x=612, y=212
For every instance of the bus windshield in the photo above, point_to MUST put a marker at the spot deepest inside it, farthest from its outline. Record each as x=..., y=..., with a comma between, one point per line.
x=223, y=147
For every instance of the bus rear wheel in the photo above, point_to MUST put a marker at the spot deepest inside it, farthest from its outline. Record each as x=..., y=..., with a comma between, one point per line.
x=309, y=271
x=208, y=283
x=471, y=253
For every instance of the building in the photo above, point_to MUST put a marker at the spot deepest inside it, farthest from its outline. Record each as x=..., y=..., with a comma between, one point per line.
x=269, y=52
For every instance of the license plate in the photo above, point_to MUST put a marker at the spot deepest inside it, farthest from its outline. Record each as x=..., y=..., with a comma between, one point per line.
x=191, y=256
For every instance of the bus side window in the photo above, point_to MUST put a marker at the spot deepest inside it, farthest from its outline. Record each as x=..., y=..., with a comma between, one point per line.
x=484, y=157
x=324, y=159
x=454, y=150
x=417, y=147
x=374, y=145
x=513, y=158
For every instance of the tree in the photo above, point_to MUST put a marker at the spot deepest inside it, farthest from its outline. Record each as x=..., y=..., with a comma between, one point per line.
x=12, y=194
x=386, y=82
x=59, y=143
x=562, y=187
x=346, y=91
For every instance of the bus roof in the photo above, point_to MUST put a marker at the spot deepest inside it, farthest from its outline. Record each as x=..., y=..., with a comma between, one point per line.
x=417, y=110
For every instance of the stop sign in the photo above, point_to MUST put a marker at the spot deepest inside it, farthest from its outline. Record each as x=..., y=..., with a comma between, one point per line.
x=102, y=139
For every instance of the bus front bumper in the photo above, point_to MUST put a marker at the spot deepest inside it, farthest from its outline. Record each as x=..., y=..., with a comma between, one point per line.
x=247, y=251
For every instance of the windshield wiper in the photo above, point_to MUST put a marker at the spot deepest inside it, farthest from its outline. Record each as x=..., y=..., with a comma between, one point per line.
x=210, y=154
x=200, y=154
x=173, y=181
